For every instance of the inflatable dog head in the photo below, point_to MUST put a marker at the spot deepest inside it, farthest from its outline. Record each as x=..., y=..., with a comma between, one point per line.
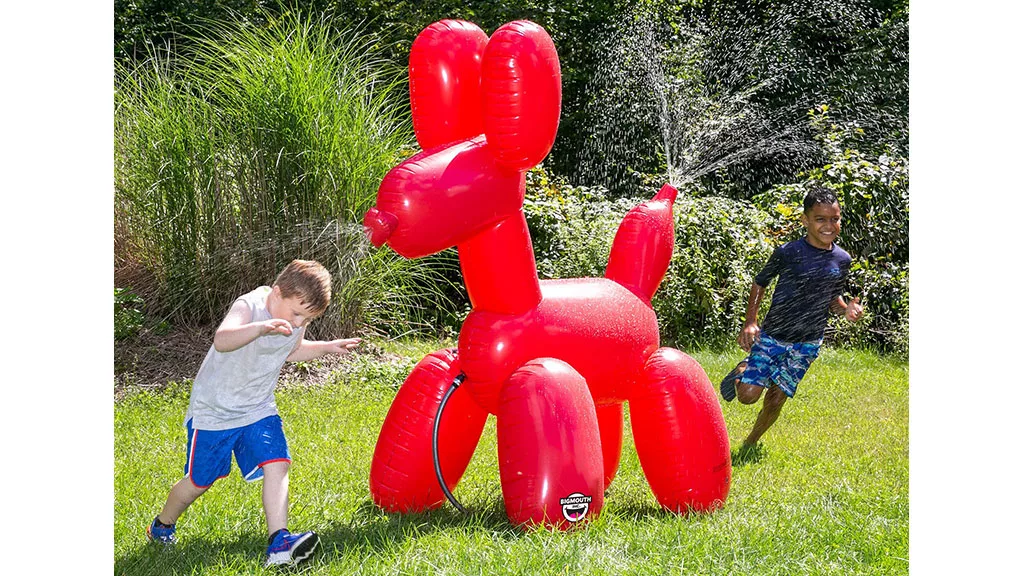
x=484, y=111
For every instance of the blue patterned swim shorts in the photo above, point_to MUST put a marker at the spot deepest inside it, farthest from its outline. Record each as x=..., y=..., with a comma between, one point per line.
x=783, y=363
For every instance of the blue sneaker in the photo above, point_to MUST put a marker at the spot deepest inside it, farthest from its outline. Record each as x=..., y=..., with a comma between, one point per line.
x=288, y=548
x=162, y=533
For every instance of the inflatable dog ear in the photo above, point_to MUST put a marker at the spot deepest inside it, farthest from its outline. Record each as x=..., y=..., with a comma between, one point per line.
x=444, y=82
x=522, y=94
x=509, y=87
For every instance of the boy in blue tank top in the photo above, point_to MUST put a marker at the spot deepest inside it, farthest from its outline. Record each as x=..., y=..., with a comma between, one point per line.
x=232, y=409
x=812, y=273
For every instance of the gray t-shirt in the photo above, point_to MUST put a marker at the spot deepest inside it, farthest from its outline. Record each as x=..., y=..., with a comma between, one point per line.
x=236, y=388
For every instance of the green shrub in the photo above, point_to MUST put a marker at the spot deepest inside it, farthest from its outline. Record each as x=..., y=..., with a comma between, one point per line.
x=128, y=316
x=721, y=244
x=138, y=23
x=572, y=227
x=885, y=294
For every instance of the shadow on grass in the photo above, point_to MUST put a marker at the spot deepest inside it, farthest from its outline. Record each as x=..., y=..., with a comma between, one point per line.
x=634, y=511
x=370, y=532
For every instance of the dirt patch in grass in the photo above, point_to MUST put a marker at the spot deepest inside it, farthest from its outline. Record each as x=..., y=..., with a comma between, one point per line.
x=150, y=359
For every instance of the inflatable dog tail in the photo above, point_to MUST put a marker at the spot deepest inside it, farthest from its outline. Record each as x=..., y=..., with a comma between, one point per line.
x=643, y=245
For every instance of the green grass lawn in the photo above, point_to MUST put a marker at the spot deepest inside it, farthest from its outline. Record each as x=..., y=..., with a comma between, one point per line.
x=828, y=494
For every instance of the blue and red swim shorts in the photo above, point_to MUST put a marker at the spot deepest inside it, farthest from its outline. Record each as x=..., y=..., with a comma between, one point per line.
x=209, y=451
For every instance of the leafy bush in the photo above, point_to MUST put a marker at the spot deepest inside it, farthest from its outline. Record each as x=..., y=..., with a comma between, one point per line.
x=572, y=227
x=885, y=292
x=854, y=53
x=128, y=316
x=138, y=23
x=720, y=245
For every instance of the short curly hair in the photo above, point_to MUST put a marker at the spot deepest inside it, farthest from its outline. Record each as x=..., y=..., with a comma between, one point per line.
x=307, y=280
x=818, y=194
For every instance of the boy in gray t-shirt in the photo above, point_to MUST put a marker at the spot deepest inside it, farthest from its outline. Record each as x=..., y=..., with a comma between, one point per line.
x=232, y=409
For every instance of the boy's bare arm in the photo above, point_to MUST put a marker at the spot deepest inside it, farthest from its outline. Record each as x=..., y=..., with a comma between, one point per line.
x=751, y=331
x=237, y=328
x=310, y=349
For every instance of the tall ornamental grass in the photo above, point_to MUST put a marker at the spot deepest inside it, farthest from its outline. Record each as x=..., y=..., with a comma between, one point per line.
x=256, y=146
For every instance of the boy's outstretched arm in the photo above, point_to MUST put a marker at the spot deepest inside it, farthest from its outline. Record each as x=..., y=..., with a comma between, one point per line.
x=853, y=311
x=751, y=331
x=310, y=349
x=237, y=328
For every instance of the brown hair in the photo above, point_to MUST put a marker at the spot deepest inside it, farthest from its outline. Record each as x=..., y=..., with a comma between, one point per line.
x=307, y=280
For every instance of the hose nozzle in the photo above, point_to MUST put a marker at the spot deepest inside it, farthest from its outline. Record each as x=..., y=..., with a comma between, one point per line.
x=379, y=225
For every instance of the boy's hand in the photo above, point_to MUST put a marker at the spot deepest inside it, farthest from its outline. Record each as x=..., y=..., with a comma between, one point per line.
x=749, y=335
x=854, y=310
x=341, y=346
x=276, y=326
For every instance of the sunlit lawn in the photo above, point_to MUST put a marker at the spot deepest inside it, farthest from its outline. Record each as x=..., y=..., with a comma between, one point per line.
x=828, y=494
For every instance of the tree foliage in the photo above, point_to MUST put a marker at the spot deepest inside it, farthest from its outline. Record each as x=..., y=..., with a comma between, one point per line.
x=850, y=54
x=733, y=60
x=141, y=24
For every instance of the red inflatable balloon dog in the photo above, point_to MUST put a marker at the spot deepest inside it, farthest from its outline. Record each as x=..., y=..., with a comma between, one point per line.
x=554, y=360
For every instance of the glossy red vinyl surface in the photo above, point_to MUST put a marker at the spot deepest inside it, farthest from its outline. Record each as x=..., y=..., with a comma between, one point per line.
x=444, y=82
x=522, y=94
x=434, y=198
x=549, y=449
x=596, y=325
x=554, y=360
x=643, y=245
x=402, y=477
x=680, y=434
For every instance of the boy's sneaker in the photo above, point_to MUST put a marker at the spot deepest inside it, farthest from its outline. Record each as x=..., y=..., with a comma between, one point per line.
x=288, y=548
x=728, y=386
x=162, y=533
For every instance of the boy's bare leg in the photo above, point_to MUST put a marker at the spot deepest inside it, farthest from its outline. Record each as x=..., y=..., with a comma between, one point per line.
x=774, y=398
x=275, y=495
x=748, y=393
x=182, y=495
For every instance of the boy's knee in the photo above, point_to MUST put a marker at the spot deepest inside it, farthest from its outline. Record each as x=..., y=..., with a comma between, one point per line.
x=277, y=468
x=748, y=393
x=188, y=490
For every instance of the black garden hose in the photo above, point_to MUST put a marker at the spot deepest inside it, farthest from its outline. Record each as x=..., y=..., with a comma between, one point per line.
x=437, y=425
